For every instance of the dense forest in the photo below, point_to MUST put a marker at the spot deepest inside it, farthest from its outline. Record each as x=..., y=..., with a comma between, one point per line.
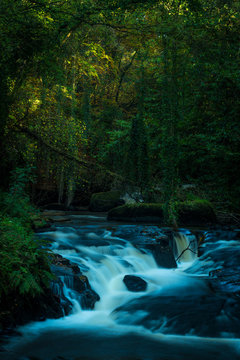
x=113, y=95
x=142, y=92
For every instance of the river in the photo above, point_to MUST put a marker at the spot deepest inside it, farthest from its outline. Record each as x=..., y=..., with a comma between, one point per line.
x=185, y=313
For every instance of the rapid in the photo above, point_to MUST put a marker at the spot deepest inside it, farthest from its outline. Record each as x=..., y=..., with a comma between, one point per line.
x=185, y=312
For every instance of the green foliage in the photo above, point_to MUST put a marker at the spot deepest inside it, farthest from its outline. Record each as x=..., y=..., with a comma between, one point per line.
x=16, y=202
x=24, y=262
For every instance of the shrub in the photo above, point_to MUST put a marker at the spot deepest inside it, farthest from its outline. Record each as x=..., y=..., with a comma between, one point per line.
x=16, y=202
x=24, y=261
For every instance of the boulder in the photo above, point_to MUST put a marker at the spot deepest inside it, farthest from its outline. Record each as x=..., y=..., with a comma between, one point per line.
x=196, y=213
x=194, y=314
x=147, y=213
x=195, y=310
x=162, y=254
x=71, y=275
x=150, y=238
x=134, y=283
x=55, y=206
x=189, y=213
x=105, y=201
x=23, y=309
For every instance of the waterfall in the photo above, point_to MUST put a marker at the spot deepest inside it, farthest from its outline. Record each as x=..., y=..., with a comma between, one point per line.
x=185, y=247
x=164, y=318
x=106, y=266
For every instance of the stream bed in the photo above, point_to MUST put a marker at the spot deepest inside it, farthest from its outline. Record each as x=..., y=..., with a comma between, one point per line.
x=184, y=312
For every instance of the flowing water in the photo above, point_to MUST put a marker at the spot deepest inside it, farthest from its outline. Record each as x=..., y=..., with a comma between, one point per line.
x=180, y=315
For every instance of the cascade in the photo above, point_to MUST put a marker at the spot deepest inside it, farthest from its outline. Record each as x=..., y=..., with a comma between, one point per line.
x=166, y=318
x=185, y=247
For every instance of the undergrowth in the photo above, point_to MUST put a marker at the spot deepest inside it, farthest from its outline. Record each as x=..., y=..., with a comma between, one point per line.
x=24, y=260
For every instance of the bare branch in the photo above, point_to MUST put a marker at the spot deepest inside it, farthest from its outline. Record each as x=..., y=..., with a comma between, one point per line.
x=187, y=248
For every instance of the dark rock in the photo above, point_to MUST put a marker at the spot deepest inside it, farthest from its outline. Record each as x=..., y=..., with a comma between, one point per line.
x=105, y=201
x=55, y=206
x=75, y=280
x=64, y=265
x=59, y=218
x=199, y=312
x=44, y=229
x=134, y=283
x=51, y=213
x=163, y=254
x=150, y=238
x=25, y=309
x=89, y=298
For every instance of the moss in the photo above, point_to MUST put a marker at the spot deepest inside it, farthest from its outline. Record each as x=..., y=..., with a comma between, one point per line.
x=190, y=213
x=38, y=222
x=108, y=195
x=195, y=213
x=137, y=212
x=105, y=201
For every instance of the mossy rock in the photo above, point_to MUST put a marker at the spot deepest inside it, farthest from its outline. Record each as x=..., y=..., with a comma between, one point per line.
x=196, y=213
x=105, y=201
x=38, y=223
x=138, y=213
x=190, y=213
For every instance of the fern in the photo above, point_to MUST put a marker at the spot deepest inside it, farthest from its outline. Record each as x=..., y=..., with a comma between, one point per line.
x=23, y=260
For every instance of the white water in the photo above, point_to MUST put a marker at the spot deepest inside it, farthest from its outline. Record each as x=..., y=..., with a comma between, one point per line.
x=105, y=266
x=185, y=248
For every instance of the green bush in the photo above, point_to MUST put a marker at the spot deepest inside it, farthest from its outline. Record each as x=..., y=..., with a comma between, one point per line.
x=24, y=261
x=16, y=202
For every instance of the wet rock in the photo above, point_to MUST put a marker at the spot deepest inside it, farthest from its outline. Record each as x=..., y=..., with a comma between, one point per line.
x=201, y=313
x=70, y=273
x=152, y=239
x=105, y=201
x=50, y=213
x=25, y=309
x=89, y=298
x=160, y=245
x=163, y=254
x=59, y=218
x=134, y=283
x=64, y=265
x=223, y=281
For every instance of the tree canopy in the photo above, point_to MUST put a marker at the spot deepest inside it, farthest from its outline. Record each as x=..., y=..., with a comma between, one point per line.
x=94, y=94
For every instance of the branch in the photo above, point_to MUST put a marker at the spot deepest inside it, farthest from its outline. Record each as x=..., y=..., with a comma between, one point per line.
x=124, y=71
x=85, y=163
x=187, y=248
